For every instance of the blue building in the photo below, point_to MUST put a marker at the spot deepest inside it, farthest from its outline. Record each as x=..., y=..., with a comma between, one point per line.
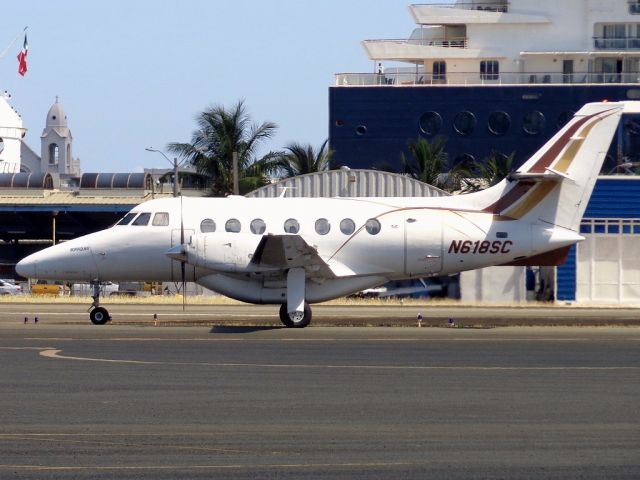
x=605, y=268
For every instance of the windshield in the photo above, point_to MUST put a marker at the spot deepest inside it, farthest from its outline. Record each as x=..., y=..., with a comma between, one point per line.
x=126, y=220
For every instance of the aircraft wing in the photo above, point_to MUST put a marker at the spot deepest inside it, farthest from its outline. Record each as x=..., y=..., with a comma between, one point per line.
x=290, y=251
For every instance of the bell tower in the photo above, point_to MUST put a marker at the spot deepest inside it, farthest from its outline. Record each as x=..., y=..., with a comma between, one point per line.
x=56, y=143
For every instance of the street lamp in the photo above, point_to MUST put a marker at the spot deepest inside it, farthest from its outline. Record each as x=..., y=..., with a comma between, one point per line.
x=175, y=168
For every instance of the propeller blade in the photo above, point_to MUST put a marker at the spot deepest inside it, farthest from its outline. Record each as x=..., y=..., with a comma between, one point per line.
x=183, y=262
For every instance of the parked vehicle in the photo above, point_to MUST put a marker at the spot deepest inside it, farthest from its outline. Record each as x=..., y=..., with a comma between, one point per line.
x=49, y=287
x=9, y=288
x=85, y=289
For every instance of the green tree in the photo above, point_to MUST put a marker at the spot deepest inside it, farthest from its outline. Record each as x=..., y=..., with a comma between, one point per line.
x=479, y=175
x=302, y=159
x=220, y=132
x=427, y=163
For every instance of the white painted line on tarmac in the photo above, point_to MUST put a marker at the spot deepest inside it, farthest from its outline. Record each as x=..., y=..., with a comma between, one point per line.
x=55, y=354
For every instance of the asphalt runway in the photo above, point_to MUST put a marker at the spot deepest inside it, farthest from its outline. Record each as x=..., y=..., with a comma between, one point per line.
x=245, y=402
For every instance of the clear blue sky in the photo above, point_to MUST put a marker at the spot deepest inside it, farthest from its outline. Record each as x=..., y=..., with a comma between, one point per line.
x=132, y=74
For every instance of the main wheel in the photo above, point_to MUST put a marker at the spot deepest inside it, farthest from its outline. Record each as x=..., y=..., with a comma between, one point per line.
x=99, y=316
x=298, y=320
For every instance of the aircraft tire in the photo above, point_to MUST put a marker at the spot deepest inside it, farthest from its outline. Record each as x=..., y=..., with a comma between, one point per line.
x=287, y=322
x=99, y=316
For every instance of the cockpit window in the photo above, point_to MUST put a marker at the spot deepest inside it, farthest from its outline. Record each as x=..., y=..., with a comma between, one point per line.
x=126, y=220
x=160, y=219
x=142, y=220
x=232, y=225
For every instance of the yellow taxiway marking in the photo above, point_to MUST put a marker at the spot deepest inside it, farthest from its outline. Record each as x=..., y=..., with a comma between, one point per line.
x=52, y=353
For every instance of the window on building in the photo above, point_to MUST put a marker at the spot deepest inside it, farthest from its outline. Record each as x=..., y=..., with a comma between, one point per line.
x=347, y=226
x=160, y=219
x=291, y=225
x=258, y=226
x=322, y=226
x=207, y=226
x=233, y=225
x=54, y=154
x=142, y=220
x=439, y=71
x=634, y=7
x=489, y=70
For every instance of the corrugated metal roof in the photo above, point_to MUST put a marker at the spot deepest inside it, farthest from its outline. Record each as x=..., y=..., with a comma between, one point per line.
x=349, y=183
x=72, y=198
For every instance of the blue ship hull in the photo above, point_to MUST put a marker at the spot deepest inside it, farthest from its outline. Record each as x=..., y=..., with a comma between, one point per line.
x=370, y=127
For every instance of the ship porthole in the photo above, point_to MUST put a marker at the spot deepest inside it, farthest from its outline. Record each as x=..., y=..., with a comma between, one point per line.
x=499, y=123
x=533, y=123
x=464, y=123
x=430, y=123
x=564, y=118
x=361, y=130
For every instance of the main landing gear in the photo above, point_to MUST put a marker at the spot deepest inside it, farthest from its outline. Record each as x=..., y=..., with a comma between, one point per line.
x=296, y=313
x=97, y=314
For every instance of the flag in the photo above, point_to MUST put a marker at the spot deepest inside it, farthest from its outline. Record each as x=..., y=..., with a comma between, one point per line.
x=22, y=57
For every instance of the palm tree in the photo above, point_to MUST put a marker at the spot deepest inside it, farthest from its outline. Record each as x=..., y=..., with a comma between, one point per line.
x=302, y=159
x=428, y=161
x=220, y=133
x=477, y=176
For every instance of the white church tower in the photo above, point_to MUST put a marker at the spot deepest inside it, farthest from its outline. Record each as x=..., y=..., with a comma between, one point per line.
x=11, y=133
x=56, y=144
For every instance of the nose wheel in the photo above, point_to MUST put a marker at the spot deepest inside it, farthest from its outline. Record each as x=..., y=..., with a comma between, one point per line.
x=295, y=319
x=97, y=314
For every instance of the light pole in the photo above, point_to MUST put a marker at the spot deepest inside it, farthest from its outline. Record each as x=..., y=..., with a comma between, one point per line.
x=175, y=168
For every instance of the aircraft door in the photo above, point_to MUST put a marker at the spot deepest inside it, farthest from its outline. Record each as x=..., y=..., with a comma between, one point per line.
x=175, y=265
x=422, y=244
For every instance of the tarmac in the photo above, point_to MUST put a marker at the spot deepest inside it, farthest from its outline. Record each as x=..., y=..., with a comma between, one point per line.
x=236, y=398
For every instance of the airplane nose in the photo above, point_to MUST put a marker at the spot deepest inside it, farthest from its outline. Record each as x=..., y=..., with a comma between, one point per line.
x=27, y=267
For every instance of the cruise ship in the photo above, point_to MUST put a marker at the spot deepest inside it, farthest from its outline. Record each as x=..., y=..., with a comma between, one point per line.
x=489, y=75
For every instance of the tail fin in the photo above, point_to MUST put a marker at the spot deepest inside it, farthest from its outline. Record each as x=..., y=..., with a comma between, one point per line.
x=555, y=184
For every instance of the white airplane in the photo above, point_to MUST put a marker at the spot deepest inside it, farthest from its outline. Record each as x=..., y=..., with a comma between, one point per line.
x=297, y=251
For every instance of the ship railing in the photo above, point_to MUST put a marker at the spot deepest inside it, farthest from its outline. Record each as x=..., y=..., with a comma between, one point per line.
x=391, y=78
x=487, y=5
x=453, y=42
x=619, y=43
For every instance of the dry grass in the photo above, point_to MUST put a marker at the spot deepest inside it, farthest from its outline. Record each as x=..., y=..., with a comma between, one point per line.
x=222, y=300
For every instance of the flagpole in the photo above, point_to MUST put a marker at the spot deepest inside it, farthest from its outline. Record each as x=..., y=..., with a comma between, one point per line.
x=4, y=52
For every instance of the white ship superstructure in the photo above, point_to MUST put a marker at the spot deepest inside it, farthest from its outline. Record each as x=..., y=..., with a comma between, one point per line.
x=11, y=133
x=513, y=42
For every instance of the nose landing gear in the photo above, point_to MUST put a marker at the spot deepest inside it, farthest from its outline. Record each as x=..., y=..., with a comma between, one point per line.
x=97, y=314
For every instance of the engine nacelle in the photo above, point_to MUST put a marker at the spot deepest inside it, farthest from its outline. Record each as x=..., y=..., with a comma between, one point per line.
x=225, y=252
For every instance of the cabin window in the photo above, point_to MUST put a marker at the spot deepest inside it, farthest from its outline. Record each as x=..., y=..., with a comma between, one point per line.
x=207, y=226
x=499, y=123
x=533, y=123
x=258, y=226
x=233, y=225
x=160, y=219
x=1, y=145
x=489, y=70
x=142, y=220
x=322, y=226
x=372, y=226
x=126, y=220
x=347, y=226
x=464, y=123
x=430, y=123
x=291, y=226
